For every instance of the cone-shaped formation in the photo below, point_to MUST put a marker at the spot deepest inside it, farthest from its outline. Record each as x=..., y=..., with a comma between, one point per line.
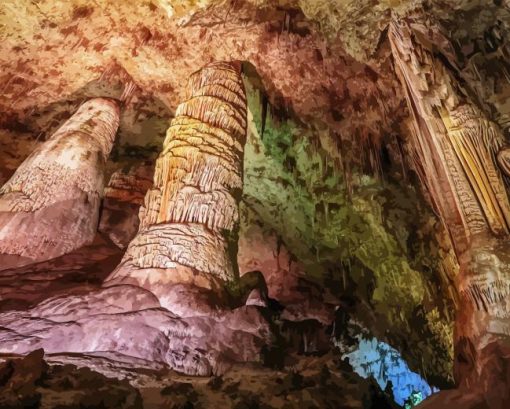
x=50, y=206
x=458, y=154
x=193, y=207
x=164, y=303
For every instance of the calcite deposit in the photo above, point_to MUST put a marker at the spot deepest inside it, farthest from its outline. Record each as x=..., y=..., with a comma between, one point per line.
x=192, y=209
x=50, y=206
x=298, y=193
x=168, y=299
x=123, y=197
x=460, y=156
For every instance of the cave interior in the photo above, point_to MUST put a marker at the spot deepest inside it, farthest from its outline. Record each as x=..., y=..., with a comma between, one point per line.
x=255, y=204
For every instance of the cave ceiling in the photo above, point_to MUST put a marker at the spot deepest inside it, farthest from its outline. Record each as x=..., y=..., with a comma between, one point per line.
x=330, y=191
x=326, y=63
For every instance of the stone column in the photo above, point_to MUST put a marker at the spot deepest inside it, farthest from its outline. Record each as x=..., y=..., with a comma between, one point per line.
x=50, y=206
x=456, y=150
x=189, y=221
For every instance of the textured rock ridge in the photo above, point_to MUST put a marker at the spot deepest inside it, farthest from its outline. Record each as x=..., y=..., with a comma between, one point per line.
x=161, y=303
x=456, y=150
x=192, y=208
x=50, y=206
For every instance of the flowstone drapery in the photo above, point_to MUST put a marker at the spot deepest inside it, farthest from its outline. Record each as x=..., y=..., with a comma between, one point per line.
x=50, y=206
x=459, y=155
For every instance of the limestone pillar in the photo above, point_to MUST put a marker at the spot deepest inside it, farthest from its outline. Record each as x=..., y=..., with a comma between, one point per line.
x=50, y=206
x=189, y=221
x=458, y=153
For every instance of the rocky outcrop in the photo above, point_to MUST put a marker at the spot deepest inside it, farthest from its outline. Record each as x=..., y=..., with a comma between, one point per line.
x=78, y=272
x=30, y=382
x=82, y=381
x=50, y=206
x=167, y=301
x=286, y=279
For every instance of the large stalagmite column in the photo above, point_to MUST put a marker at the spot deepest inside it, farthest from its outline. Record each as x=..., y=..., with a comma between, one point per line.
x=50, y=206
x=456, y=149
x=188, y=224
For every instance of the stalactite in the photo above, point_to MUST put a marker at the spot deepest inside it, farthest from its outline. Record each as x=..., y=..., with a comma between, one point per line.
x=459, y=153
x=193, y=204
x=50, y=206
x=455, y=144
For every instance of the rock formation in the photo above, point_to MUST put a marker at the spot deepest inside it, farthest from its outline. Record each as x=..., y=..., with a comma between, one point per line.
x=166, y=301
x=122, y=200
x=50, y=206
x=456, y=151
x=189, y=222
x=373, y=190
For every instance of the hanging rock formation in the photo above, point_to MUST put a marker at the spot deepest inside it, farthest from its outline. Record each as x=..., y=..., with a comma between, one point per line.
x=188, y=224
x=50, y=206
x=458, y=153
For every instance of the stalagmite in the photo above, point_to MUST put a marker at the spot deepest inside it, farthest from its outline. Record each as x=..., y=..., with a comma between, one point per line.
x=190, y=216
x=50, y=206
x=460, y=156
x=168, y=300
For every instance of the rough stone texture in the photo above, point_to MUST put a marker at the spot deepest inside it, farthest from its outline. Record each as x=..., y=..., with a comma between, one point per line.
x=79, y=380
x=129, y=321
x=30, y=382
x=344, y=205
x=80, y=271
x=285, y=278
x=160, y=51
x=193, y=205
x=122, y=200
x=50, y=206
x=153, y=307
x=456, y=149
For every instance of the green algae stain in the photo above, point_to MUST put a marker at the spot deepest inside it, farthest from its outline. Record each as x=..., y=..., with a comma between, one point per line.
x=294, y=186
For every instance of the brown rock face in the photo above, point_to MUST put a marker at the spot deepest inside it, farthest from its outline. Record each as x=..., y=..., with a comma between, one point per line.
x=122, y=200
x=456, y=147
x=193, y=206
x=50, y=206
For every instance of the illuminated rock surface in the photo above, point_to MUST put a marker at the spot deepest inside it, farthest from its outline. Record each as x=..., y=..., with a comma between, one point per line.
x=374, y=199
x=155, y=305
x=377, y=359
x=50, y=206
x=193, y=205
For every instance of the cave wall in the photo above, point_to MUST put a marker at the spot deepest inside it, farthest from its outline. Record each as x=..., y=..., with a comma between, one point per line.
x=333, y=212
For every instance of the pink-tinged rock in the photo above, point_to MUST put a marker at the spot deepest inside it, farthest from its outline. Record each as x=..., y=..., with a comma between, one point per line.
x=81, y=271
x=128, y=321
x=167, y=301
x=50, y=206
x=122, y=199
x=285, y=277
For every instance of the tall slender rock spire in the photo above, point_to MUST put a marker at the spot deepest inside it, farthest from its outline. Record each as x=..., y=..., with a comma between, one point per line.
x=190, y=217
